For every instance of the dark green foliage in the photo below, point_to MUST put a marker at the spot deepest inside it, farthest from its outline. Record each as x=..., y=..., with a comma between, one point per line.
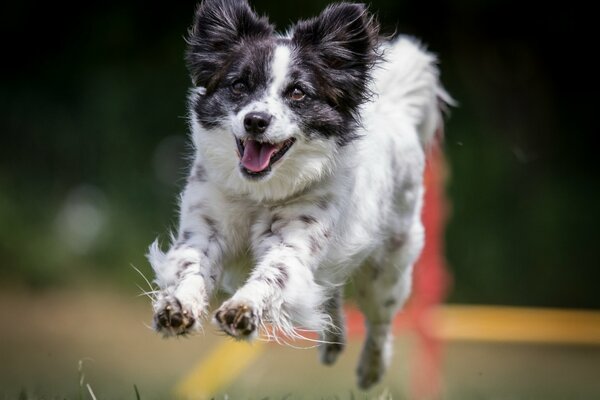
x=93, y=100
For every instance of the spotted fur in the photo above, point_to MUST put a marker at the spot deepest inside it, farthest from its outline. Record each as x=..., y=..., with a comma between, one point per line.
x=351, y=116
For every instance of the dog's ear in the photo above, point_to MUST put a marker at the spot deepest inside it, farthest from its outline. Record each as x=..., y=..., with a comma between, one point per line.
x=344, y=40
x=219, y=27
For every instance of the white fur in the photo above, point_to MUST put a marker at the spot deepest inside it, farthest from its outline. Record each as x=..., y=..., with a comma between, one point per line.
x=325, y=213
x=280, y=66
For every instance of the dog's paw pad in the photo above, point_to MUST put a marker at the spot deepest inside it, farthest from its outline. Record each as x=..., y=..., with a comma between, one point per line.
x=239, y=321
x=173, y=319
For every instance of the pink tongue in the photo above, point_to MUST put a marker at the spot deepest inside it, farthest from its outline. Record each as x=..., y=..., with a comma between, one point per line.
x=257, y=155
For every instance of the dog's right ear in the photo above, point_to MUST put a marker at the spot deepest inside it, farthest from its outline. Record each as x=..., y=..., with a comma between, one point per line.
x=220, y=26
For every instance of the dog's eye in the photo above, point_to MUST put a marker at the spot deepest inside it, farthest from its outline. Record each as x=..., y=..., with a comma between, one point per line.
x=297, y=94
x=239, y=87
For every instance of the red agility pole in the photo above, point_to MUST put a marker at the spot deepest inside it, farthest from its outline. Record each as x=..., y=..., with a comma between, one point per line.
x=430, y=286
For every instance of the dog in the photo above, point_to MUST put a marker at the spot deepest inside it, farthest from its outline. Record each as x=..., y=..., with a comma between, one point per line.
x=310, y=148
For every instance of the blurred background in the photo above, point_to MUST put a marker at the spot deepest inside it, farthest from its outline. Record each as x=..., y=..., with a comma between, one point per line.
x=92, y=103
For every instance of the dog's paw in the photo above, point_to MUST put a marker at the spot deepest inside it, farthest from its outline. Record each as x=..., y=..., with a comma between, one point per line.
x=238, y=319
x=334, y=342
x=329, y=352
x=369, y=375
x=373, y=363
x=176, y=317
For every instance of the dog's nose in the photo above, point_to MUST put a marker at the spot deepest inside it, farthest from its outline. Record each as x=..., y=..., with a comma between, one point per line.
x=257, y=122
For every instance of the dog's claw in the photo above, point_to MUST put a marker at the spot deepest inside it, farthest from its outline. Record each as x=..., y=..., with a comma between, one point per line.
x=240, y=322
x=173, y=320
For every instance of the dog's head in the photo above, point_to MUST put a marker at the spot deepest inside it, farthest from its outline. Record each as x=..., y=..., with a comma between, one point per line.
x=270, y=112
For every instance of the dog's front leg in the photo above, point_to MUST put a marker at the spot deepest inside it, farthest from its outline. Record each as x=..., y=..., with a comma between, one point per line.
x=289, y=243
x=188, y=273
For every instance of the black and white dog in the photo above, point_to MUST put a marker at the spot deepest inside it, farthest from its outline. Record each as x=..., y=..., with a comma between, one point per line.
x=308, y=171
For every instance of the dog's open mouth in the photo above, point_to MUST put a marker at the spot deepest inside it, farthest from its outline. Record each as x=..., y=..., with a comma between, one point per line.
x=257, y=157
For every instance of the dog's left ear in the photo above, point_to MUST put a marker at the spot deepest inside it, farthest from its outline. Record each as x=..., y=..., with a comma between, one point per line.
x=219, y=27
x=345, y=38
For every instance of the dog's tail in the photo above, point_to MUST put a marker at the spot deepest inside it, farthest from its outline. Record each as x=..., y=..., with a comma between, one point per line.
x=408, y=86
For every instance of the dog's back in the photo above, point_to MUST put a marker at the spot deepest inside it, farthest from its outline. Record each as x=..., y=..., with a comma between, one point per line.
x=383, y=216
x=386, y=165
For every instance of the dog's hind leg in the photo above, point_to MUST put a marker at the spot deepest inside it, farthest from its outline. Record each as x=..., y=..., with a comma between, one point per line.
x=382, y=287
x=334, y=338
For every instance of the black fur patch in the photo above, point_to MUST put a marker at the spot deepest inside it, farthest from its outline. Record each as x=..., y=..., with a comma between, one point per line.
x=336, y=51
x=228, y=43
x=390, y=302
x=375, y=272
x=282, y=275
x=268, y=232
x=332, y=57
x=220, y=28
x=323, y=202
x=212, y=224
x=396, y=242
x=251, y=67
x=315, y=245
x=276, y=218
x=214, y=231
x=199, y=174
x=308, y=219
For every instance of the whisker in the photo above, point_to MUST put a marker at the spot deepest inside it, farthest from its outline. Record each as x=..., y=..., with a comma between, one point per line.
x=143, y=276
x=151, y=295
x=148, y=326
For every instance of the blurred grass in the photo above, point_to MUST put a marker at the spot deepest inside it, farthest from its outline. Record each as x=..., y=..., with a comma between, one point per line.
x=57, y=329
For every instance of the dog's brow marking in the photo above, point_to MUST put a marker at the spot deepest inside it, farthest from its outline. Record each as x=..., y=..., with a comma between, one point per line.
x=279, y=68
